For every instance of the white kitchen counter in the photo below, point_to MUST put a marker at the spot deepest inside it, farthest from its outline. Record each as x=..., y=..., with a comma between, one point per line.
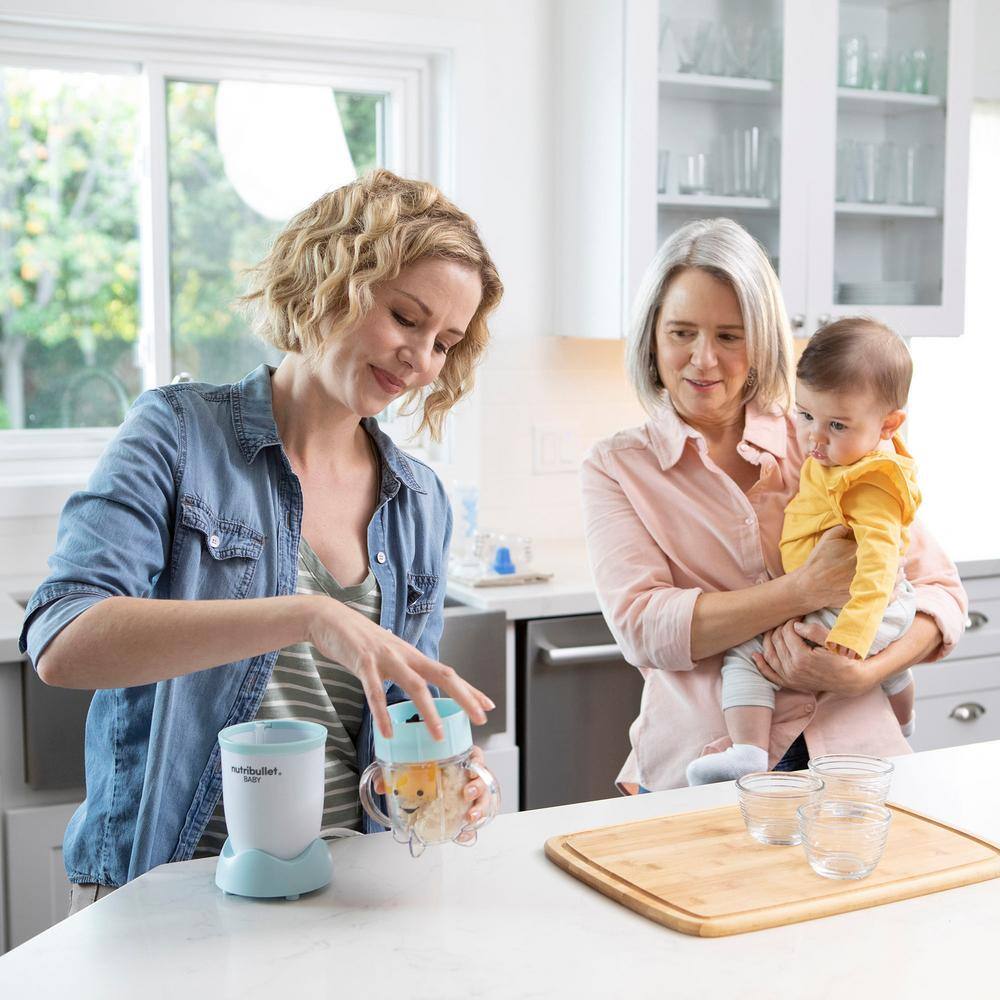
x=499, y=920
x=11, y=616
x=569, y=592
x=571, y=589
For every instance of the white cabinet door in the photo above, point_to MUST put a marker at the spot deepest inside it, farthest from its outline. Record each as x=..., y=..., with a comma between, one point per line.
x=37, y=893
x=889, y=171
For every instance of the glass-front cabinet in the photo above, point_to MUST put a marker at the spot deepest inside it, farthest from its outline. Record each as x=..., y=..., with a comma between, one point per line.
x=835, y=131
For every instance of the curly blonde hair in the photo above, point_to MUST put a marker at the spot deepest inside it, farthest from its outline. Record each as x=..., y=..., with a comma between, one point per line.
x=326, y=262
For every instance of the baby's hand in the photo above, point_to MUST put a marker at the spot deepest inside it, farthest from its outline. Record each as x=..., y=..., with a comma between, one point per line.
x=842, y=650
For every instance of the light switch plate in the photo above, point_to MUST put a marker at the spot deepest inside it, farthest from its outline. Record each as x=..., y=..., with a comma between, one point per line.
x=554, y=450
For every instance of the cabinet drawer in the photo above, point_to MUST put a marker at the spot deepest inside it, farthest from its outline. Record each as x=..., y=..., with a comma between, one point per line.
x=982, y=636
x=950, y=676
x=956, y=719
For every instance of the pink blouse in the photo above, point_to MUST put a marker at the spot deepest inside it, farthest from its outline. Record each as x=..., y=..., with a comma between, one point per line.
x=663, y=525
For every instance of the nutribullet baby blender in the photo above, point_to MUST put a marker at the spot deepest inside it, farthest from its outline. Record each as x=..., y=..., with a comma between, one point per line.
x=272, y=787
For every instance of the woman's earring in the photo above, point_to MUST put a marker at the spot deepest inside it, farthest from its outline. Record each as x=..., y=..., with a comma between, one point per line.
x=654, y=373
x=751, y=381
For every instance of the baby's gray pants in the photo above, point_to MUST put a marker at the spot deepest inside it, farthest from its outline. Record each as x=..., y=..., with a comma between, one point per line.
x=743, y=684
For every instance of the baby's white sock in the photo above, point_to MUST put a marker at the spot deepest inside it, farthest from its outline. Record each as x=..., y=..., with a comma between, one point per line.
x=907, y=727
x=739, y=759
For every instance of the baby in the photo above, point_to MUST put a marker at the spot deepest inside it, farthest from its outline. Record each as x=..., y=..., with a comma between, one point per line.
x=853, y=380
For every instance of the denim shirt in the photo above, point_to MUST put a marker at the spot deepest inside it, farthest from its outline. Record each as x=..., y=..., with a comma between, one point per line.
x=194, y=499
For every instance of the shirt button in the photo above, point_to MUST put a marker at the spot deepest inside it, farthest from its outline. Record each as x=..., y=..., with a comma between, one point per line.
x=380, y=557
x=214, y=541
x=749, y=520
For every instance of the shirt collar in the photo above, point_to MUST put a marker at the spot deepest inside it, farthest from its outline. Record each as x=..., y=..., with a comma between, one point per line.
x=763, y=430
x=253, y=421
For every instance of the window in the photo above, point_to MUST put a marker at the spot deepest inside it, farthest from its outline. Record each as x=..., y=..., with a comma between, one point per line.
x=69, y=247
x=140, y=175
x=242, y=159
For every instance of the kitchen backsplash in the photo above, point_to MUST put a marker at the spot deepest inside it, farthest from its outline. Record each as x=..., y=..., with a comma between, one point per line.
x=565, y=387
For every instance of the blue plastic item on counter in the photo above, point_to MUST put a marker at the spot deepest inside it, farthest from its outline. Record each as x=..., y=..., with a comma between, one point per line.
x=411, y=741
x=502, y=563
x=263, y=876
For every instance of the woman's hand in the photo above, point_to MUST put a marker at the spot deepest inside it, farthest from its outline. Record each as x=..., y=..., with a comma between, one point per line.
x=796, y=658
x=477, y=796
x=374, y=655
x=825, y=577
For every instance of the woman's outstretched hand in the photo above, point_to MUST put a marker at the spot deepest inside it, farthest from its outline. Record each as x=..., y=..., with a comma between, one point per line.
x=796, y=658
x=374, y=655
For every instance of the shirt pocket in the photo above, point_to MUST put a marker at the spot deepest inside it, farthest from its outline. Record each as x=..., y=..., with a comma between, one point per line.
x=421, y=593
x=222, y=551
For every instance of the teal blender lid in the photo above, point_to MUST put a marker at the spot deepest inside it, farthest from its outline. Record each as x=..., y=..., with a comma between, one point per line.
x=411, y=741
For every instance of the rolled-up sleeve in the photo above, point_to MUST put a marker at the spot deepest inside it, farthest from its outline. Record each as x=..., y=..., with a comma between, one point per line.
x=648, y=615
x=938, y=588
x=114, y=537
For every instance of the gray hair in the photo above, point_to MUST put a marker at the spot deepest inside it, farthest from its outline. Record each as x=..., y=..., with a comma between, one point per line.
x=726, y=251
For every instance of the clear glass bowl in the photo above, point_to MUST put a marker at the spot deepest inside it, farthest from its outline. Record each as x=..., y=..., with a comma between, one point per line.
x=769, y=800
x=853, y=776
x=842, y=839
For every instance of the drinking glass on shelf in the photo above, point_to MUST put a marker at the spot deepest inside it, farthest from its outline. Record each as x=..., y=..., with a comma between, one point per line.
x=871, y=176
x=915, y=71
x=853, y=63
x=694, y=174
x=878, y=69
x=662, y=170
x=909, y=186
x=744, y=42
x=691, y=37
x=749, y=163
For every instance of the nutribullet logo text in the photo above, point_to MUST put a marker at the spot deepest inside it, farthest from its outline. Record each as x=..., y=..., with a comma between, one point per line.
x=254, y=774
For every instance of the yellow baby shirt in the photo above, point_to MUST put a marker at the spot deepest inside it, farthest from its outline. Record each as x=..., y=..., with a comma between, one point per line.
x=876, y=498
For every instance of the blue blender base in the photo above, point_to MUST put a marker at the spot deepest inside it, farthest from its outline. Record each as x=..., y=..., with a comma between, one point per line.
x=263, y=876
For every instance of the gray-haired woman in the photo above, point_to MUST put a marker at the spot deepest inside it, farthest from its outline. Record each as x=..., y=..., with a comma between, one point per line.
x=684, y=513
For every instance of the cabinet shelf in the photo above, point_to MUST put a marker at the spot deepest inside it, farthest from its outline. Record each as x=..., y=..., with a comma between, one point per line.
x=884, y=211
x=716, y=201
x=886, y=101
x=741, y=90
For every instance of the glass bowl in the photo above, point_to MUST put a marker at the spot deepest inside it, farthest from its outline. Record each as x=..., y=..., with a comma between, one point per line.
x=769, y=800
x=853, y=776
x=842, y=839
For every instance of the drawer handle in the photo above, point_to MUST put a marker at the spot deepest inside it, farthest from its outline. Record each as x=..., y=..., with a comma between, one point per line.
x=975, y=620
x=968, y=711
x=572, y=656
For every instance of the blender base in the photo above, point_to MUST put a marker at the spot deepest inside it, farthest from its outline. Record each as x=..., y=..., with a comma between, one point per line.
x=263, y=876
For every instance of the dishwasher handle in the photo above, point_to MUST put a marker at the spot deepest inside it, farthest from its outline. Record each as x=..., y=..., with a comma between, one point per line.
x=575, y=656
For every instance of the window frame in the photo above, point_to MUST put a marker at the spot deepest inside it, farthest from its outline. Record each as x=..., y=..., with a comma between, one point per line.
x=416, y=145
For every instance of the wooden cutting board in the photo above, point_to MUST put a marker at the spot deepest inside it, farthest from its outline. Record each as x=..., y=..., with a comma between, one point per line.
x=701, y=873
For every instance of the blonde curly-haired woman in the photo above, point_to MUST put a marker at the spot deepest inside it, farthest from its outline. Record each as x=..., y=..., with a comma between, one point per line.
x=262, y=549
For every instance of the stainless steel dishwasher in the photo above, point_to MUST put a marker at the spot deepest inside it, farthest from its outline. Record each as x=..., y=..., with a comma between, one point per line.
x=576, y=697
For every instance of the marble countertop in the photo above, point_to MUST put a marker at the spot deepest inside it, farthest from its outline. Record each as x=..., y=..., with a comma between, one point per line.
x=501, y=921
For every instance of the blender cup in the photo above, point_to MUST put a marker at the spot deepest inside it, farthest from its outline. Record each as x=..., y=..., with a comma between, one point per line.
x=425, y=779
x=272, y=787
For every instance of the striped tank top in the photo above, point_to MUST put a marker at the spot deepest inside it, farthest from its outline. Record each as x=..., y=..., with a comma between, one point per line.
x=305, y=685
